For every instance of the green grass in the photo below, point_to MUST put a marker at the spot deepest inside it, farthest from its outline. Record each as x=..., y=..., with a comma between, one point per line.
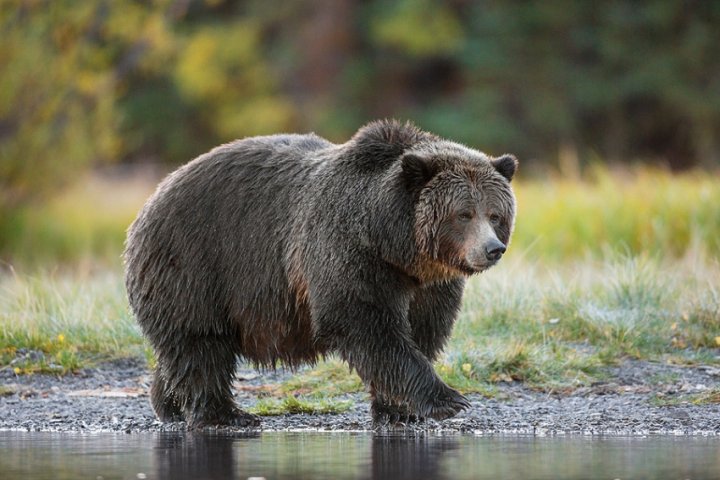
x=555, y=326
x=58, y=322
x=551, y=326
x=293, y=405
x=703, y=398
x=329, y=378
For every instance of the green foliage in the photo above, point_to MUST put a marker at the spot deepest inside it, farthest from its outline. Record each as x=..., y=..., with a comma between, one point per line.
x=122, y=80
x=550, y=326
x=56, y=98
x=158, y=122
x=418, y=27
x=639, y=212
x=85, y=82
x=104, y=81
x=554, y=325
x=464, y=378
x=220, y=70
x=572, y=68
x=127, y=79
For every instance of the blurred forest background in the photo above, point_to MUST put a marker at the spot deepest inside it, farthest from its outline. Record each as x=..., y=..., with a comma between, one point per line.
x=562, y=84
x=612, y=107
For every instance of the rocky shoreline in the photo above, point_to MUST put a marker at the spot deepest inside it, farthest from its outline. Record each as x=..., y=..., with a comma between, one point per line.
x=641, y=398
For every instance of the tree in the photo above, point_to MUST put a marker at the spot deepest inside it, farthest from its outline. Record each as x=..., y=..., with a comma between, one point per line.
x=56, y=96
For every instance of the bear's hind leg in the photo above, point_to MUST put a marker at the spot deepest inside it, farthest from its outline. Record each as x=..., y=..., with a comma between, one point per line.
x=163, y=402
x=199, y=372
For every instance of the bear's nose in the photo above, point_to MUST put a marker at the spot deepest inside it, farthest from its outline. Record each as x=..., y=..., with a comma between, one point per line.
x=494, y=249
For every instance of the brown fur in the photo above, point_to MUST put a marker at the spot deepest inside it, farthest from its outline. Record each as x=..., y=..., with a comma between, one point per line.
x=287, y=248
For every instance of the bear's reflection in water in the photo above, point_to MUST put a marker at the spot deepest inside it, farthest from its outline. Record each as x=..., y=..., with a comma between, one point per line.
x=297, y=455
x=401, y=457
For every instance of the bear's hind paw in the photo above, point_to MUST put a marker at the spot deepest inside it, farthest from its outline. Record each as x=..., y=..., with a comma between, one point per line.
x=244, y=419
x=239, y=419
x=393, y=416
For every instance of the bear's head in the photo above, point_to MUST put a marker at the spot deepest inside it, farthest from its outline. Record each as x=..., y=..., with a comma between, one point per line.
x=464, y=208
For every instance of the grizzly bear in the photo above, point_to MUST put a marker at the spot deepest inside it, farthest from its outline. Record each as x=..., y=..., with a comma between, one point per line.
x=286, y=248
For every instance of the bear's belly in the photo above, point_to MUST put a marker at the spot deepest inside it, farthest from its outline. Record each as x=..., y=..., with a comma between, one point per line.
x=288, y=340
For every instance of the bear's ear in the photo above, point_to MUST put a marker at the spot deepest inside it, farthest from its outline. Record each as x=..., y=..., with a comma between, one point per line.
x=417, y=171
x=506, y=165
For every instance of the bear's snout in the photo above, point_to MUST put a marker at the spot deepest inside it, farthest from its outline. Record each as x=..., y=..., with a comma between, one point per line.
x=494, y=249
x=484, y=256
x=485, y=249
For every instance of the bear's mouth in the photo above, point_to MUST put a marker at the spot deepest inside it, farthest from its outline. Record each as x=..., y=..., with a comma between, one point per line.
x=470, y=269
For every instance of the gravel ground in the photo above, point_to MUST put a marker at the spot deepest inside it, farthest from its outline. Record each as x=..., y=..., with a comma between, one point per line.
x=113, y=397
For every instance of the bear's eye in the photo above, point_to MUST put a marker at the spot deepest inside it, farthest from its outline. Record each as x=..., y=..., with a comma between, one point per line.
x=494, y=219
x=465, y=216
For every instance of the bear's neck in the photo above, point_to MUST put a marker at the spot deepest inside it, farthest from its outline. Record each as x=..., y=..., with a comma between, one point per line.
x=429, y=270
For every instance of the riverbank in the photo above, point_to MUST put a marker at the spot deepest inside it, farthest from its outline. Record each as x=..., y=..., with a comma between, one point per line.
x=637, y=398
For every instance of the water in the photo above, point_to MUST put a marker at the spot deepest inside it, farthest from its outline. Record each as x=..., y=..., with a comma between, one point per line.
x=353, y=455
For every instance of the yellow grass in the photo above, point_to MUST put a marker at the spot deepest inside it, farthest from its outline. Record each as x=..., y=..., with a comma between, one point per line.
x=633, y=212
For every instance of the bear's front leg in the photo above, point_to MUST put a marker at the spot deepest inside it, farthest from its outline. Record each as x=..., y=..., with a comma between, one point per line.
x=375, y=339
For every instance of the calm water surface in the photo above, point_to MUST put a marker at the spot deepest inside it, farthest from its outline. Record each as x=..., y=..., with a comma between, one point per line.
x=348, y=455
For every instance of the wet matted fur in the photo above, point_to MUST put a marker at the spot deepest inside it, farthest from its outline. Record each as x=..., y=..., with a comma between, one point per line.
x=285, y=248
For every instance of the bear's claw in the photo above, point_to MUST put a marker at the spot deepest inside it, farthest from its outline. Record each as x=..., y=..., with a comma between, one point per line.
x=385, y=415
x=445, y=404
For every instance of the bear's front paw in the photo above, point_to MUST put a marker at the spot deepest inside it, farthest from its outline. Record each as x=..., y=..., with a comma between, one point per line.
x=444, y=402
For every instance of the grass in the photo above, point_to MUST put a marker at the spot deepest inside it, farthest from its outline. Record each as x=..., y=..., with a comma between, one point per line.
x=5, y=390
x=84, y=225
x=554, y=326
x=293, y=405
x=637, y=212
x=621, y=265
x=329, y=378
x=549, y=326
x=59, y=322
x=707, y=397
